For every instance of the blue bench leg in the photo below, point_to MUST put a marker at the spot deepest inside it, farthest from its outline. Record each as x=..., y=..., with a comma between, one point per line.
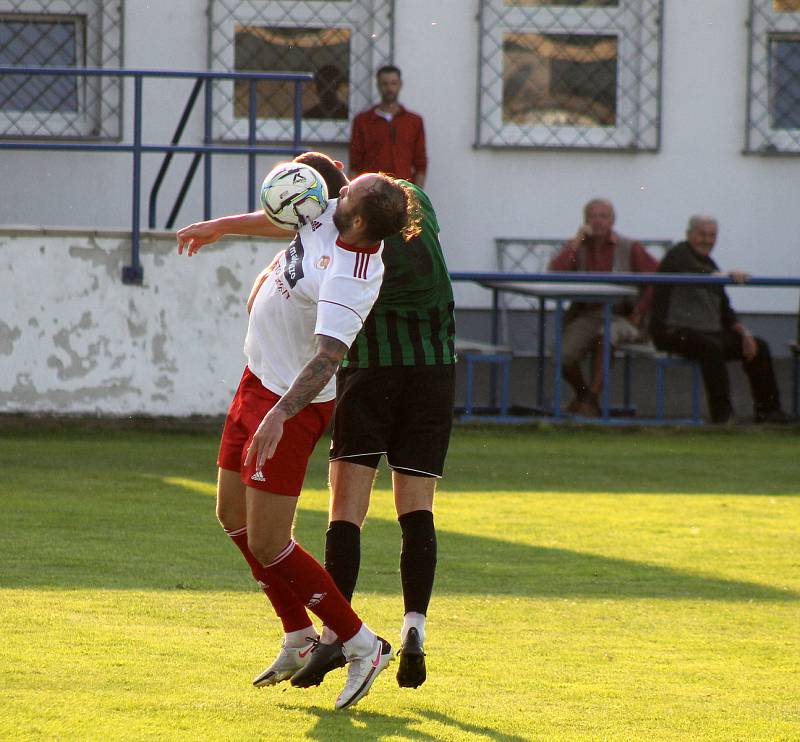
x=659, y=391
x=469, y=389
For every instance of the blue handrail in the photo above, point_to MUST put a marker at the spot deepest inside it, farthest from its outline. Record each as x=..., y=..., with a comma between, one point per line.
x=133, y=273
x=623, y=278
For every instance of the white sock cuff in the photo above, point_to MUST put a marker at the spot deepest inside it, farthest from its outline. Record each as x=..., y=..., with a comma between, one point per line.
x=416, y=621
x=298, y=638
x=361, y=644
x=328, y=635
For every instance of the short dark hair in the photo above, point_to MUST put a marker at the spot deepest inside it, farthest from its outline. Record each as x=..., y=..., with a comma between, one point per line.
x=390, y=207
x=334, y=178
x=388, y=68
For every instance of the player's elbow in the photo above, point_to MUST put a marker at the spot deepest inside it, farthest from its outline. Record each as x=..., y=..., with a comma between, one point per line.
x=330, y=350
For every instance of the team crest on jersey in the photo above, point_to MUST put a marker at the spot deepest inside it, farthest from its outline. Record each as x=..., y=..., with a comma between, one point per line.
x=294, y=262
x=324, y=262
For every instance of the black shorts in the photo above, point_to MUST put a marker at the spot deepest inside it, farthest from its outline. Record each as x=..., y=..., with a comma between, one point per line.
x=405, y=412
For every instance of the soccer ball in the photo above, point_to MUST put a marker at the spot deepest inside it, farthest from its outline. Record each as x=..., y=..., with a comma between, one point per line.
x=293, y=194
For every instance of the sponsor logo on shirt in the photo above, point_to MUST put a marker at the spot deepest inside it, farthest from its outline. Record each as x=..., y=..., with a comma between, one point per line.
x=294, y=262
x=315, y=225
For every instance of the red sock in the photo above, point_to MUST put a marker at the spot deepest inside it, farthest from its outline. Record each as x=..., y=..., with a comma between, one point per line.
x=316, y=589
x=290, y=610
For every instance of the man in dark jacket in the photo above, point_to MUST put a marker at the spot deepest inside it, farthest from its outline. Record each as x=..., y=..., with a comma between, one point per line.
x=697, y=321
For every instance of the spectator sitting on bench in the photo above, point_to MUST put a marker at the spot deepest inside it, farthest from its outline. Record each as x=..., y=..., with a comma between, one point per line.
x=597, y=247
x=697, y=322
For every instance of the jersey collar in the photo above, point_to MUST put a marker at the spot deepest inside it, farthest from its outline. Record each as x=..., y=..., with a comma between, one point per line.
x=370, y=250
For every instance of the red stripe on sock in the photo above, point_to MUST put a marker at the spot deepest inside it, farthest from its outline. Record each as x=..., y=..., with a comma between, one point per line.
x=315, y=588
x=289, y=609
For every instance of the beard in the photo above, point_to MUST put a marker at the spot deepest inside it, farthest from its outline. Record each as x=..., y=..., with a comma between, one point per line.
x=341, y=221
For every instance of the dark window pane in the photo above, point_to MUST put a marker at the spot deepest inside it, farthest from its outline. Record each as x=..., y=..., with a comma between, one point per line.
x=38, y=43
x=785, y=83
x=323, y=51
x=559, y=79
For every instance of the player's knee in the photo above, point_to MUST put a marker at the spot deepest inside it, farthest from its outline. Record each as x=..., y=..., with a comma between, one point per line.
x=264, y=547
x=230, y=518
x=352, y=510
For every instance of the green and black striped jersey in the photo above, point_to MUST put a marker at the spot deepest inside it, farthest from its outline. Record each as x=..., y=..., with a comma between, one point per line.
x=412, y=321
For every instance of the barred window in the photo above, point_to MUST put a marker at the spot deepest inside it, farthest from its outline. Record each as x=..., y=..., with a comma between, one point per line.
x=59, y=33
x=773, y=116
x=579, y=74
x=341, y=42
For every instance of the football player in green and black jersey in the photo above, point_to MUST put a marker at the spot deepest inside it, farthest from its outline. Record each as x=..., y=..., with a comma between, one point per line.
x=395, y=395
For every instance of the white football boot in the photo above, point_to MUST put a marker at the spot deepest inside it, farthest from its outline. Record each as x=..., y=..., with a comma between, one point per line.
x=362, y=670
x=286, y=664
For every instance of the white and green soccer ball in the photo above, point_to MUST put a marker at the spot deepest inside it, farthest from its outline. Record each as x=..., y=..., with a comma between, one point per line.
x=293, y=194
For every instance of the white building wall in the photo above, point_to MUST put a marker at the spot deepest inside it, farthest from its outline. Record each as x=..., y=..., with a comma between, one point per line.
x=73, y=338
x=480, y=194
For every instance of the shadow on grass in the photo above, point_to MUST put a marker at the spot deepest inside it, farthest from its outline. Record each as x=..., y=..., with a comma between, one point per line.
x=360, y=723
x=180, y=547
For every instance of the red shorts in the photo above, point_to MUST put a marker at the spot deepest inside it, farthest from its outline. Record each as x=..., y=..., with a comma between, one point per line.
x=283, y=474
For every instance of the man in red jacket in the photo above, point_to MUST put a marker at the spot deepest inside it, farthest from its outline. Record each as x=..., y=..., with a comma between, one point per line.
x=388, y=138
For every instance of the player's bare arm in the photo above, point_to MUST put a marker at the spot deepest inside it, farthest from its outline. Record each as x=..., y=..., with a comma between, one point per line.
x=251, y=224
x=308, y=384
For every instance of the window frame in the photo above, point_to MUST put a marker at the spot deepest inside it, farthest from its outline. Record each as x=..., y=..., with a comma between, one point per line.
x=627, y=23
x=29, y=120
x=98, y=44
x=354, y=15
x=766, y=25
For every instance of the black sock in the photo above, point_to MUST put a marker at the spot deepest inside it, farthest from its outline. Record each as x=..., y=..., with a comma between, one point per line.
x=343, y=555
x=417, y=559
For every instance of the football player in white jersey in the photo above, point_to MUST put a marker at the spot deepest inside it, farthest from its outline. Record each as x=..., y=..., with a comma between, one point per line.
x=308, y=309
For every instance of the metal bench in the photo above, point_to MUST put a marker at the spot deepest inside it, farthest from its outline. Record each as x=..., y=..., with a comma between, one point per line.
x=663, y=361
x=533, y=255
x=498, y=357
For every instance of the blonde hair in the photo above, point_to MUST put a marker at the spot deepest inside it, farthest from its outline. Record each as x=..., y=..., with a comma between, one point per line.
x=413, y=225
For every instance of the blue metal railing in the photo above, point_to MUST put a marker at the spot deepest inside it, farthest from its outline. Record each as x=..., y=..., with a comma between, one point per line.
x=495, y=280
x=500, y=277
x=623, y=278
x=133, y=273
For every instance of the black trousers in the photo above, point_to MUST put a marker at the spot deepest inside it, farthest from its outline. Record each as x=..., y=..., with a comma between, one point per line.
x=713, y=350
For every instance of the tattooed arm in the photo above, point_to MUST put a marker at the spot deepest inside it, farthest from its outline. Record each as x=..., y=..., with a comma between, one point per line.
x=307, y=385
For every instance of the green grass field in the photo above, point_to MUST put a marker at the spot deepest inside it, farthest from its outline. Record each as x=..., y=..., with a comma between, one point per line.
x=620, y=585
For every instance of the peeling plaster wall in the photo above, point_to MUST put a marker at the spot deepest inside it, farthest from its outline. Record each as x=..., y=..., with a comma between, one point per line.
x=75, y=339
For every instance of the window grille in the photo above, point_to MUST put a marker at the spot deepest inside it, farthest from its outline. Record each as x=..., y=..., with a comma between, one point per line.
x=773, y=113
x=60, y=33
x=342, y=42
x=576, y=74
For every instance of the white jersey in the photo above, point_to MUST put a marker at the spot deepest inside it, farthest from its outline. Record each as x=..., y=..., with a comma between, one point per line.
x=319, y=286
